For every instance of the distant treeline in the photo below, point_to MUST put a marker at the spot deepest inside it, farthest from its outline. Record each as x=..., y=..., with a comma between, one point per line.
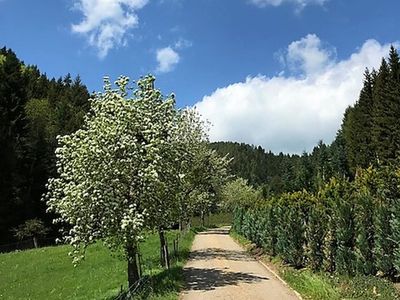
x=33, y=111
x=278, y=173
x=369, y=136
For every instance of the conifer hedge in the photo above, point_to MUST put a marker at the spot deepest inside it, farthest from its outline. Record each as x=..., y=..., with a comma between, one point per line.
x=346, y=228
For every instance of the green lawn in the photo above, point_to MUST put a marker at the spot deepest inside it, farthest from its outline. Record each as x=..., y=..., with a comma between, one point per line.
x=47, y=273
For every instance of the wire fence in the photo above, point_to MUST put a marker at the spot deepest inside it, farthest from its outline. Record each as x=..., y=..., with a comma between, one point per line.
x=143, y=288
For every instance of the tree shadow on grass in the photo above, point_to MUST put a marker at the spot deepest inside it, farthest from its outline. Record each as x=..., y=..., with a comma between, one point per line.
x=160, y=284
x=209, y=279
x=168, y=281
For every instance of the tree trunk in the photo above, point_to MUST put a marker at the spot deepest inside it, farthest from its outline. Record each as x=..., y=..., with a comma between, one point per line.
x=202, y=219
x=133, y=271
x=162, y=243
x=166, y=254
x=35, y=242
x=164, y=257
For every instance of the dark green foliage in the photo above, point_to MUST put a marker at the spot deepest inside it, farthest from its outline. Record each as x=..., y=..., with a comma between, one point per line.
x=387, y=193
x=339, y=160
x=358, y=126
x=346, y=228
x=370, y=128
x=33, y=227
x=270, y=231
x=315, y=235
x=383, y=116
x=282, y=173
x=365, y=231
x=33, y=111
x=12, y=131
x=395, y=226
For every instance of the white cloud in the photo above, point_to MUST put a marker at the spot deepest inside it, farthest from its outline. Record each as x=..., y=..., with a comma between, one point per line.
x=167, y=59
x=183, y=44
x=299, y=3
x=106, y=22
x=308, y=56
x=290, y=114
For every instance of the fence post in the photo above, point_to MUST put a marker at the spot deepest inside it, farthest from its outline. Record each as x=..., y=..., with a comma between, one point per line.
x=166, y=254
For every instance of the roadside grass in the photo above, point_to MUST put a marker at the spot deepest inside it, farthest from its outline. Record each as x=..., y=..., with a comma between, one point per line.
x=214, y=220
x=323, y=286
x=47, y=273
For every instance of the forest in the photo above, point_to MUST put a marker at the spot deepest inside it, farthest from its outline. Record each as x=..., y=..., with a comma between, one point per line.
x=34, y=109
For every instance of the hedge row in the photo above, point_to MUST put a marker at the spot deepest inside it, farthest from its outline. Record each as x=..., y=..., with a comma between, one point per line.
x=348, y=227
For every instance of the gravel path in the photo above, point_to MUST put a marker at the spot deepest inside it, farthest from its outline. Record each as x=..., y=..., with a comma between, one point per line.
x=219, y=268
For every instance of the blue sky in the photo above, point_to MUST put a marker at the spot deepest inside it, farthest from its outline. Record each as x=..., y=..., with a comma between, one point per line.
x=268, y=72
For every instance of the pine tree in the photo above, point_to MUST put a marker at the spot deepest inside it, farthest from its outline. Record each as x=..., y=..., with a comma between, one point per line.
x=357, y=127
x=339, y=163
x=384, y=116
x=394, y=65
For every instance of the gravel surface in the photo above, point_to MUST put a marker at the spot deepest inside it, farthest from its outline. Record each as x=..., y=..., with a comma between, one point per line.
x=219, y=268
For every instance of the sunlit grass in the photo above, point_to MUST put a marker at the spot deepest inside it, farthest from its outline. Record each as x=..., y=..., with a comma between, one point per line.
x=47, y=273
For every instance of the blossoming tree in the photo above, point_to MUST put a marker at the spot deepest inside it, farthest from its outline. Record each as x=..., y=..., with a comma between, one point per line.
x=110, y=171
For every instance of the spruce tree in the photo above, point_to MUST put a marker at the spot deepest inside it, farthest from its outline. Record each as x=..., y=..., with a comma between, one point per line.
x=357, y=127
x=384, y=116
x=394, y=87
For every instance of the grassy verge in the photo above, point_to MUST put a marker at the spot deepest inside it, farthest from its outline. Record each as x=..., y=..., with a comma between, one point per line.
x=47, y=273
x=323, y=286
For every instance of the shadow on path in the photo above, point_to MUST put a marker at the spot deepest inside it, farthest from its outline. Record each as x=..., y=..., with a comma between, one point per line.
x=223, y=231
x=209, y=279
x=217, y=253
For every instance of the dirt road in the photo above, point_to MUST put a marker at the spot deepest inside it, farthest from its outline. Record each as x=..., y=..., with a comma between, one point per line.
x=220, y=269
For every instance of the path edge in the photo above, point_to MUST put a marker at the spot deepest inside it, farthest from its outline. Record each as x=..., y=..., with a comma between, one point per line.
x=270, y=270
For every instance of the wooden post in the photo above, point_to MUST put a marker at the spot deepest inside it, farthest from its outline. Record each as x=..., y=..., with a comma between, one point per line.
x=166, y=254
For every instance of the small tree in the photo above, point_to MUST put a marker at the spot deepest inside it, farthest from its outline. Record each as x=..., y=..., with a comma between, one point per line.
x=209, y=173
x=192, y=135
x=238, y=193
x=33, y=228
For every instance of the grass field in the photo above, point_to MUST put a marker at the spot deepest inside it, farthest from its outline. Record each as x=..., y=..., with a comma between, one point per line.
x=47, y=273
x=323, y=286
